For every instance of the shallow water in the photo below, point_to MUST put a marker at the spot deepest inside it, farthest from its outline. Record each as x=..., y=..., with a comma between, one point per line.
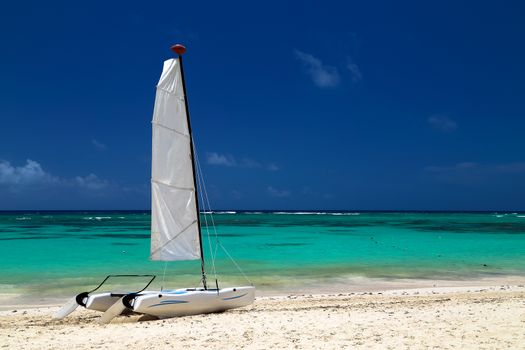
x=56, y=253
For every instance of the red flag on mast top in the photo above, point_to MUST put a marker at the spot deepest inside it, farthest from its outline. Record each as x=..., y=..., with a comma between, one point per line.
x=178, y=49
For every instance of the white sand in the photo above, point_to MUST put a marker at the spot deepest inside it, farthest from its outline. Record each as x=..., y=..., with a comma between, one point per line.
x=453, y=317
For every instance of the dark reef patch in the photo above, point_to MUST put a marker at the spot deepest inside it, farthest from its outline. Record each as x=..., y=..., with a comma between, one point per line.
x=285, y=244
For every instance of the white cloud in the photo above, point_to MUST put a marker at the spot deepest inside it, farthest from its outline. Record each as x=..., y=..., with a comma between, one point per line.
x=219, y=159
x=228, y=160
x=98, y=145
x=354, y=70
x=322, y=75
x=277, y=193
x=442, y=123
x=91, y=182
x=30, y=173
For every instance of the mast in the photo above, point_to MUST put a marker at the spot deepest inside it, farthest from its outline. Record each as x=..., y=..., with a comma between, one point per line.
x=180, y=50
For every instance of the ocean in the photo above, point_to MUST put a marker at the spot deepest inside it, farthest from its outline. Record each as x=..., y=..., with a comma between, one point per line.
x=55, y=254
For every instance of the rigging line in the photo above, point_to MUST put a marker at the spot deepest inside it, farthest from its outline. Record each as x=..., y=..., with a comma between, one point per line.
x=197, y=284
x=235, y=263
x=163, y=275
x=219, y=243
x=209, y=205
x=215, y=230
x=207, y=202
x=212, y=253
x=207, y=229
x=200, y=182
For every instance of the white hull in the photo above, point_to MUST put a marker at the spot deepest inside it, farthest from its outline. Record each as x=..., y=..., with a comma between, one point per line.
x=173, y=303
x=183, y=302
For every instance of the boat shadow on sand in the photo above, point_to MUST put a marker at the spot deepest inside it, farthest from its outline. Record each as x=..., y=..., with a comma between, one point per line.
x=93, y=319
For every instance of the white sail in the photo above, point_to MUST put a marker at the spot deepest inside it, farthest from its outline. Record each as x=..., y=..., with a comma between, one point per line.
x=174, y=225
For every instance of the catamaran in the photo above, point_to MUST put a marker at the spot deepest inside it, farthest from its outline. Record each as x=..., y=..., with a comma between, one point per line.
x=176, y=232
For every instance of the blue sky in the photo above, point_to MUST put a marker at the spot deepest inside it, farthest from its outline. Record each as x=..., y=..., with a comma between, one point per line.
x=295, y=105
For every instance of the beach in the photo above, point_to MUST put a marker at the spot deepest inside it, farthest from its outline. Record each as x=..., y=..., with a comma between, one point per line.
x=483, y=317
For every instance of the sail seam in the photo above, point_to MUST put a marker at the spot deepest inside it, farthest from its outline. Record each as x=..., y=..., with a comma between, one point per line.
x=171, y=92
x=172, y=239
x=173, y=186
x=170, y=129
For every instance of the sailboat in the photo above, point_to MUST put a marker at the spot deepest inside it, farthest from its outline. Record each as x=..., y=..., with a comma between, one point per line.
x=176, y=232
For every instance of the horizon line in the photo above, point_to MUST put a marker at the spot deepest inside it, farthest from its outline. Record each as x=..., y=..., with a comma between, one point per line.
x=282, y=210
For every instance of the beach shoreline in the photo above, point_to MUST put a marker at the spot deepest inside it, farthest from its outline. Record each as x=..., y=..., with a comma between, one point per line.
x=441, y=317
x=354, y=284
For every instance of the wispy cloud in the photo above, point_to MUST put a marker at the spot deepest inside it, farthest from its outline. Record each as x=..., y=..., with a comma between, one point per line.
x=214, y=158
x=272, y=191
x=308, y=192
x=354, y=70
x=236, y=194
x=472, y=172
x=322, y=75
x=220, y=159
x=91, y=182
x=442, y=123
x=249, y=163
x=463, y=166
x=98, y=145
x=273, y=167
x=497, y=168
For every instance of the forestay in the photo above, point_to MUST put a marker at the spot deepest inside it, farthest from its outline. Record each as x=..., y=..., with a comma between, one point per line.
x=174, y=225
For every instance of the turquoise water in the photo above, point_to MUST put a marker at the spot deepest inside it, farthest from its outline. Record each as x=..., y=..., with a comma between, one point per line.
x=55, y=253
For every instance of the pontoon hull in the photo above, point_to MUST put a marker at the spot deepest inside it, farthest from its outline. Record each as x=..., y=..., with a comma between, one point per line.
x=184, y=302
x=103, y=301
